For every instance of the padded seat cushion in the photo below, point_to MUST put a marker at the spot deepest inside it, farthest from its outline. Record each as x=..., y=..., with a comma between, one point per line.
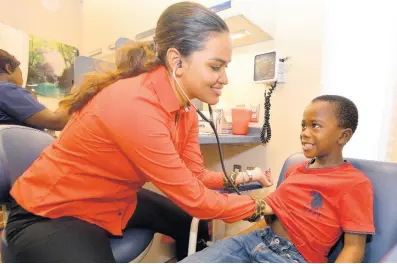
x=131, y=245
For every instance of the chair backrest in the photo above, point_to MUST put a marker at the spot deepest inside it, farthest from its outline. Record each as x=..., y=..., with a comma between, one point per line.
x=383, y=177
x=19, y=148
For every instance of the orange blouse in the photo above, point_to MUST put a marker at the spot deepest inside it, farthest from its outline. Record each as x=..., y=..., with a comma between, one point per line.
x=132, y=132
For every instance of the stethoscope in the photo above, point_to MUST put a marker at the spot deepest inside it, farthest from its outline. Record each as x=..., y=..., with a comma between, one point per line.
x=212, y=124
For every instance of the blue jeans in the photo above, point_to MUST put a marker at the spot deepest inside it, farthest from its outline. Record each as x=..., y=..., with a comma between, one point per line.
x=258, y=246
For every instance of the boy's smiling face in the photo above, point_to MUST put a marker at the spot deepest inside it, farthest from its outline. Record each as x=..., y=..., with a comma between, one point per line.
x=321, y=134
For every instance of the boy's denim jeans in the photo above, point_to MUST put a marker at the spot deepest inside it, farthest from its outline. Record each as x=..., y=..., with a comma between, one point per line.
x=258, y=246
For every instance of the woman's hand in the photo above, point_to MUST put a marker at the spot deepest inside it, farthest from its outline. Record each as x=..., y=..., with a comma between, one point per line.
x=264, y=178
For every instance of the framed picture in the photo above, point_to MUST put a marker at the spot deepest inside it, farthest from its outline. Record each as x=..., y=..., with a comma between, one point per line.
x=51, y=67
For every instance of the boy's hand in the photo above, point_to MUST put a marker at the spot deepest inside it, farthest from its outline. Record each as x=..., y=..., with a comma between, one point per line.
x=264, y=178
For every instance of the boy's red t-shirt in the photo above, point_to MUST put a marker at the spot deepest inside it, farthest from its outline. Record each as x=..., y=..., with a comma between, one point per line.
x=317, y=205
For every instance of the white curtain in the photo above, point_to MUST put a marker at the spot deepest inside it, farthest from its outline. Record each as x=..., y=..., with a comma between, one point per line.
x=360, y=62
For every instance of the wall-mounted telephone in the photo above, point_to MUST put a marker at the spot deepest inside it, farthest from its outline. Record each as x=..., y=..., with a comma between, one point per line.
x=268, y=69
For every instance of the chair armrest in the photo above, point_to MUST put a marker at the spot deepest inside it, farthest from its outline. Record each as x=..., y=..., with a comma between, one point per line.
x=193, y=236
x=391, y=256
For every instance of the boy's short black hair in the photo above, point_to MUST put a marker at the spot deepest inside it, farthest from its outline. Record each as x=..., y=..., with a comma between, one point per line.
x=7, y=59
x=346, y=110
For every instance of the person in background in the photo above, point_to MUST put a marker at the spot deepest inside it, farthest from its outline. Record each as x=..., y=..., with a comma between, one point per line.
x=18, y=106
x=318, y=201
x=128, y=127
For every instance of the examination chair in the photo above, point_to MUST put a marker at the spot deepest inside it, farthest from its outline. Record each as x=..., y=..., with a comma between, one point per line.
x=391, y=256
x=383, y=177
x=19, y=147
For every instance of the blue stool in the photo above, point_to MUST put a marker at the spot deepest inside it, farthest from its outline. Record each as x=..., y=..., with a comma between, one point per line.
x=383, y=176
x=19, y=148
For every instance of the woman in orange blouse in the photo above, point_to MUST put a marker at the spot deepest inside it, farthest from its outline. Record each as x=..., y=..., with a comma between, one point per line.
x=127, y=128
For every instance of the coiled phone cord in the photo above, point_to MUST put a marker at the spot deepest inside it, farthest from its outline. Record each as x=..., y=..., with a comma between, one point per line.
x=266, y=133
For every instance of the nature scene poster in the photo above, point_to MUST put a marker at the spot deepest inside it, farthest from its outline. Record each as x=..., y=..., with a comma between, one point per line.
x=50, y=70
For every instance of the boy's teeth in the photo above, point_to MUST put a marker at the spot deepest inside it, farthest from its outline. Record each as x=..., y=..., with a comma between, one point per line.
x=307, y=146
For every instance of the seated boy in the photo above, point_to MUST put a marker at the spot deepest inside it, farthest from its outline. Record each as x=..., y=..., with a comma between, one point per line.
x=318, y=201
